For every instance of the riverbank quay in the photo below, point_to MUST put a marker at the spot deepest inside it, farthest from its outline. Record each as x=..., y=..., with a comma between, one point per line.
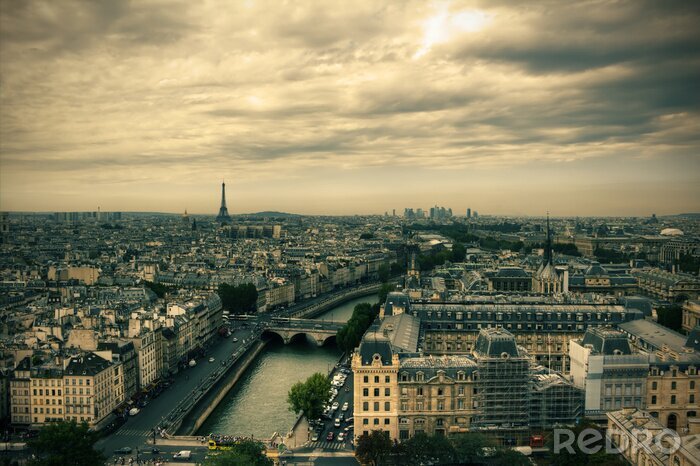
x=223, y=382
x=323, y=304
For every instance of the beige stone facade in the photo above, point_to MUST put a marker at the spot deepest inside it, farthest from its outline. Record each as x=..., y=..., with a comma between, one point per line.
x=673, y=395
x=691, y=315
x=376, y=395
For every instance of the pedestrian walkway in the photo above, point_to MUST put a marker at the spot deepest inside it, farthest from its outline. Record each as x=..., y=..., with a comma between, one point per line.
x=326, y=445
x=133, y=433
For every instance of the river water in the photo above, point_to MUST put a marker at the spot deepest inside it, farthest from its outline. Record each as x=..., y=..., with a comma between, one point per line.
x=257, y=405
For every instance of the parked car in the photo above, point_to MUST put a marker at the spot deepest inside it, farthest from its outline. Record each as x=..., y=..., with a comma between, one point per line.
x=235, y=340
x=337, y=422
x=212, y=359
x=341, y=436
x=330, y=436
x=134, y=411
x=345, y=406
x=314, y=437
x=123, y=451
x=334, y=406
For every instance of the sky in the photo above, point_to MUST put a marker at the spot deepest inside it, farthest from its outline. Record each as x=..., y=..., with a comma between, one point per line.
x=506, y=107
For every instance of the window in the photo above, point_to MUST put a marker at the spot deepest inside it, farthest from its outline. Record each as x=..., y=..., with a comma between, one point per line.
x=692, y=384
x=691, y=398
x=439, y=392
x=654, y=385
x=673, y=385
x=404, y=391
x=673, y=399
x=376, y=392
x=404, y=377
x=387, y=379
x=376, y=406
x=365, y=406
x=376, y=379
x=386, y=421
x=376, y=421
x=365, y=391
x=653, y=399
x=365, y=379
x=387, y=406
x=419, y=391
x=365, y=422
x=387, y=391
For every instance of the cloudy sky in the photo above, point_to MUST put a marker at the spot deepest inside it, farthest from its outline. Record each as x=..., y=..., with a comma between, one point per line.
x=579, y=108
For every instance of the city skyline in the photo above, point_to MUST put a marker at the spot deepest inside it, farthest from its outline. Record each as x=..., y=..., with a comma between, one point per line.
x=586, y=109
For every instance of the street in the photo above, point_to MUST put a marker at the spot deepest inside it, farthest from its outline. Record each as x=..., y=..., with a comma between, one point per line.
x=139, y=428
x=345, y=394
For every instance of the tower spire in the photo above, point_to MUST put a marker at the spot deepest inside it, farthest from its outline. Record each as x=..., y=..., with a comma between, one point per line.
x=548, y=246
x=223, y=216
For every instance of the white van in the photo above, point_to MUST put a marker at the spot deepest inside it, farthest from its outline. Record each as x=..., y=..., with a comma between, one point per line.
x=183, y=455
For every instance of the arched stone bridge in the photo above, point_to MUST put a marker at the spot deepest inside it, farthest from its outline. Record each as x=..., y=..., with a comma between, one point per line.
x=318, y=330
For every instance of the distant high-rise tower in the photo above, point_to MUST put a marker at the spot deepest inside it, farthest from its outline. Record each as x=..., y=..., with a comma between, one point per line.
x=223, y=216
x=469, y=212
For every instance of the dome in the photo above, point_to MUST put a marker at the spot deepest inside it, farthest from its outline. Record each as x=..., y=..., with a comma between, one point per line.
x=671, y=232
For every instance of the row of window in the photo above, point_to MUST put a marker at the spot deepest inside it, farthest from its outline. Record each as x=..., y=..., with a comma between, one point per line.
x=365, y=391
x=420, y=377
x=57, y=382
x=538, y=316
x=691, y=399
x=420, y=406
x=439, y=392
x=691, y=385
x=478, y=326
x=376, y=404
x=387, y=379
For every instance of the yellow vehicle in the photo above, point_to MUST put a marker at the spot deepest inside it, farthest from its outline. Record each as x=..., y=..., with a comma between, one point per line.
x=213, y=445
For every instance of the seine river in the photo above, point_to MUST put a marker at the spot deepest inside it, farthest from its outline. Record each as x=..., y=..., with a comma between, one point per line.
x=257, y=405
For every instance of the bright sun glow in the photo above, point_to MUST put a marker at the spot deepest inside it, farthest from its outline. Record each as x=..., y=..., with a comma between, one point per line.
x=444, y=25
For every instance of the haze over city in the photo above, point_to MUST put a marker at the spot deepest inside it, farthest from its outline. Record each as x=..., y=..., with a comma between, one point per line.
x=580, y=108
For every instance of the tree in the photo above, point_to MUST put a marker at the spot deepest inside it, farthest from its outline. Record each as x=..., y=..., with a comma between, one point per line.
x=469, y=448
x=63, y=443
x=424, y=448
x=384, y=292
x=372, y=448
x=243, y=453
x=239, y=299
x=459, y=252
x=509, y=457
x=309, y=397
x=383, y=273
x=350, y=334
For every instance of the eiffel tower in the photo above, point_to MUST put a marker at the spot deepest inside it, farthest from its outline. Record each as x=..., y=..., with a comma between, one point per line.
x=223, y=216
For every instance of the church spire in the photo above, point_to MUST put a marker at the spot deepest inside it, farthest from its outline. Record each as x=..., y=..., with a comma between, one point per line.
x=548, y=245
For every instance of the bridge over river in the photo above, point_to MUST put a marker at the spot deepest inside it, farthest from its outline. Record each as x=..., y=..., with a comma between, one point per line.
x=289, y=328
